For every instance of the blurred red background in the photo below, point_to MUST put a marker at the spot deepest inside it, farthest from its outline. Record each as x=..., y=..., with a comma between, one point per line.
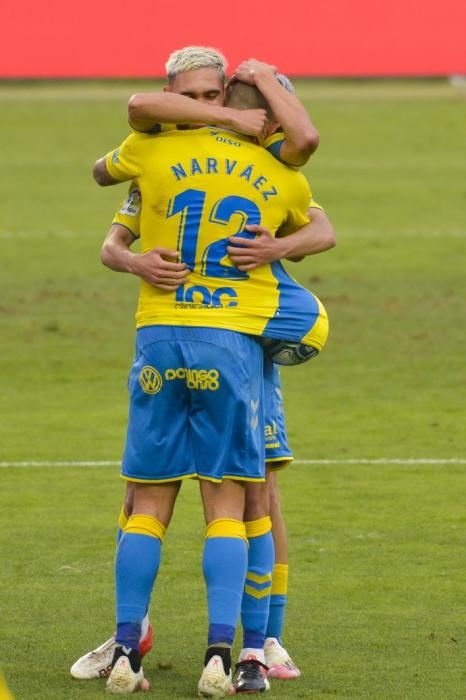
x=112, y=38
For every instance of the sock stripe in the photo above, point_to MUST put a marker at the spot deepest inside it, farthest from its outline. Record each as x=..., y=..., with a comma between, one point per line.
x=145, y=525
x=257, y=593
x=255, y=578
x=256, y=528
x=226, y=527
x=280, y=579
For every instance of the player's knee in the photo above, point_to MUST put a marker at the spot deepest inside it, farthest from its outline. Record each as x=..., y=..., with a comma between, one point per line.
x=129, y=500
x=224, y=500
x=257, y=502
x=274, y=494
x=155, y=500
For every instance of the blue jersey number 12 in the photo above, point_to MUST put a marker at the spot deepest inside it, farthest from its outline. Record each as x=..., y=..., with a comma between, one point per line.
x=190, y=204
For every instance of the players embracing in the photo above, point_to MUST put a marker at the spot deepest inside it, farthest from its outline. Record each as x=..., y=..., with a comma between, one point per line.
x=214, y=198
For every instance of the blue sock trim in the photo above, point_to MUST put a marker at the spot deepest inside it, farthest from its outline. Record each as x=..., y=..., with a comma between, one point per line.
x=276, y=616
x=128, y=634
x=220, y=634
x=253, y=640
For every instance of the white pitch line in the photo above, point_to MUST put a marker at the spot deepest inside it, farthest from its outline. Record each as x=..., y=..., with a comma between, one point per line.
x=4, y=465
x=381, y=460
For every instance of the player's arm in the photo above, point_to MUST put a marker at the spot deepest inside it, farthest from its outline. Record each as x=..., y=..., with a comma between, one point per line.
x=121, y=164
x=158, y=267
x=300, y=137
x=115, y=252
x=314, y=237
x=147, y=110
x=101, y=174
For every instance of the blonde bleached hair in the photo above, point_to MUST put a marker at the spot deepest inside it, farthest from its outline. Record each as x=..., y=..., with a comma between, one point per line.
x=193, y=58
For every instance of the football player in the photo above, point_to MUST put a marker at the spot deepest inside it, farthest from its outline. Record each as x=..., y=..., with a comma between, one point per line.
x=245, y=260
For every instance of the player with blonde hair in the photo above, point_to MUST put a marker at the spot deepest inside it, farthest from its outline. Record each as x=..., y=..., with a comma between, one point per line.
x=179, y=63
x=193, y=58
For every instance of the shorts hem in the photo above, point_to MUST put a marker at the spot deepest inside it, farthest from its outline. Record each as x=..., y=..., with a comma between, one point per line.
x=202, y=477
x=139, y=480
x=232, y=477
x=271, y=462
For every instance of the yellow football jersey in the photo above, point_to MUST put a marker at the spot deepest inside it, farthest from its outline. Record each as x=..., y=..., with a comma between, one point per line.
x=200, y=187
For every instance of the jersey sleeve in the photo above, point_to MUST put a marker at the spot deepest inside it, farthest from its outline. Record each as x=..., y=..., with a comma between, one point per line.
x=313, y=204
x=273, y=144
x=128, y=213
x=123, y=163
x=298, y=208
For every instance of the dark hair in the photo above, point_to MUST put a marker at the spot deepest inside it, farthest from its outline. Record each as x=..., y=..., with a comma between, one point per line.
x=244, y=96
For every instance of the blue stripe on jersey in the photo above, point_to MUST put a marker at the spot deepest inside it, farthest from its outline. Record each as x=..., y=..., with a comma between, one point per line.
x=297, y=309
x=274, y=149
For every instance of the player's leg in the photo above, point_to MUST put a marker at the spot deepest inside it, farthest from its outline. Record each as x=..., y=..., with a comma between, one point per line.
x=136, y=568
x=157, y=456
x=256, y=597
x=228, y=442
x=224, y=566
x=98, y=662
x=278, y=456
x=278, y=660
x=145, y=641
x=250, y=674
x=126, y=510
x=280, y=538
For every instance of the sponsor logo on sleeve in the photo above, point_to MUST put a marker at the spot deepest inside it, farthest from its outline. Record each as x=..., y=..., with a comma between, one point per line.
x=132, y=205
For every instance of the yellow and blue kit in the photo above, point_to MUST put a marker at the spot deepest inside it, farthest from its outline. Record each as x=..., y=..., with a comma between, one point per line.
x=277, y=451
x=199, y=188
x=196, y=406
x=197, y=380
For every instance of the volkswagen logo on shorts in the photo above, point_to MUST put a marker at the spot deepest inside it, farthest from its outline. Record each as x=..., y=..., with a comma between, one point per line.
x=150, y=380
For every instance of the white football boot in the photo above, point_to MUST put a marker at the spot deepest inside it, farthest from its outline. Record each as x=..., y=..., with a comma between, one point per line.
x=123, y=680
x=278, y=660
x=214, y=682
x=98, y=663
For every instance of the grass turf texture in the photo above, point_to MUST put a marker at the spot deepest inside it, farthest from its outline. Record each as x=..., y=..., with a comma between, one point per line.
x=377, y=552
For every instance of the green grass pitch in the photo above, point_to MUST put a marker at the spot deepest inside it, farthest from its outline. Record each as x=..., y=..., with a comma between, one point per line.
x=377, y=546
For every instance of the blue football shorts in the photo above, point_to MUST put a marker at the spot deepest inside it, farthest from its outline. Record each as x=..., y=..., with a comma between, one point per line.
x=196, y=406
x=277, y=452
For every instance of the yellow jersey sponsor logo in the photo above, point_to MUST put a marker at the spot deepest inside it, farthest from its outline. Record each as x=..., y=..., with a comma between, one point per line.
x=195, y=378
x=150, y=380
x=199, y=297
